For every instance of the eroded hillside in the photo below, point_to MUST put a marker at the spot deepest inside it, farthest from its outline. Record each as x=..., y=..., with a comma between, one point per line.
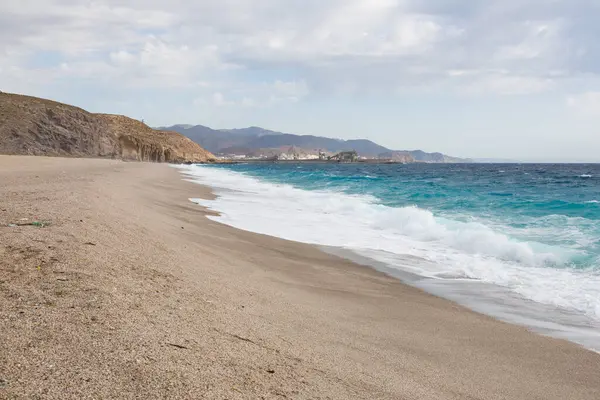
x=34, y=126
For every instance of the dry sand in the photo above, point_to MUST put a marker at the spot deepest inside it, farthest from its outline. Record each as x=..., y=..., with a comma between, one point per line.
x=131, y=293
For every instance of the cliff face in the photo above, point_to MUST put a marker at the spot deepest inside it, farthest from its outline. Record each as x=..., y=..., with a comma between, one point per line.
x=138, y=141
x=34, y=126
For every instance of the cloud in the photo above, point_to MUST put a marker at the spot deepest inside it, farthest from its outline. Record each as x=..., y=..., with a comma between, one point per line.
x=501, y=82
x=289, y=91
x=257, y=95
x=74, y=28
x=508, y=47
x=219, y=100
x=587, y=104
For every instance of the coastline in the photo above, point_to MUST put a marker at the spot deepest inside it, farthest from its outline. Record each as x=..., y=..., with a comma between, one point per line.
x=138, y=294
x=494, y=301
x=360, y=228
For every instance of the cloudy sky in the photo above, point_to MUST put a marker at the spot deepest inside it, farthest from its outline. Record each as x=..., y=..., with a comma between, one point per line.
x=481, y=78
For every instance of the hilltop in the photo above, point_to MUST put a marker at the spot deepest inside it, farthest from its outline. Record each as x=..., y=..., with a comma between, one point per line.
x=35, y=126
x=253, y=141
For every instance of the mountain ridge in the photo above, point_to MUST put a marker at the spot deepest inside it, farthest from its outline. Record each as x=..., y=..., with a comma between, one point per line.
x=243, y=141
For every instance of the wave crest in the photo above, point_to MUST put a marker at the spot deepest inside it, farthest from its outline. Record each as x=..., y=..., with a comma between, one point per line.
x=446, y=247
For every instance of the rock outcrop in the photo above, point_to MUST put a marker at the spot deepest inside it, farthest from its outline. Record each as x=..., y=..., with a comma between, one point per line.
x=34, y=126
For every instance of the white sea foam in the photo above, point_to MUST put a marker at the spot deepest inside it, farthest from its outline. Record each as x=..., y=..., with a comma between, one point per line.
x=585, y=176
x=436, y=247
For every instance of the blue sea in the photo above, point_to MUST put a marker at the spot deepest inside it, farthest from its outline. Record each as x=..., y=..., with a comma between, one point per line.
x=518, y=241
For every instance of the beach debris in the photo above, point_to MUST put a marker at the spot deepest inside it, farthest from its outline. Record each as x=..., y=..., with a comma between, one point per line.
x=179, y=346
x=90, y=243
x=271, y=371
x=242, y=338
x=62, y=279
x=236, y=336
x=39, y=224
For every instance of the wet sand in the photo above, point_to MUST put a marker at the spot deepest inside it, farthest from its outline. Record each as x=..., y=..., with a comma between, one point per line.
x=132, y=293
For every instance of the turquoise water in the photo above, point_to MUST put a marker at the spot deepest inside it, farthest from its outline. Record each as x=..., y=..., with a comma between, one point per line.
x=553, y=207
x=532, y=230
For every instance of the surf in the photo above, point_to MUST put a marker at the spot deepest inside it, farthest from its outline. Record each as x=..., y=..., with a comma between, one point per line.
x=411, y=239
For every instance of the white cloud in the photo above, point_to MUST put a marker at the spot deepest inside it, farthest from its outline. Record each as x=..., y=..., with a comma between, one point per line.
x=219, y=100
x=536, y=40
x=248, y=102
x=256, y=95
x=585, y=103
x=74, y=28
x=505, y=84
x=290, y=91
x=331, y=46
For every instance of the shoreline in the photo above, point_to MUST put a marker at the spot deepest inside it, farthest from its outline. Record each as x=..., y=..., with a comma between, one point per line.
x=493, y=301
x=236, y=197
x=167, y=303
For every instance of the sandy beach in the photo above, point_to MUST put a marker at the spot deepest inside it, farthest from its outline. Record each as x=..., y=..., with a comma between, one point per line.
x=130, y=292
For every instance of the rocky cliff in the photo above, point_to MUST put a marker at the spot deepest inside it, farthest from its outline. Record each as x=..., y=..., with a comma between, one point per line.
x=34, y=126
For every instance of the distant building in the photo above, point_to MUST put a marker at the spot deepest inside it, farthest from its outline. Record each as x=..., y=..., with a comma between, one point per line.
x=346, y=156
x=286, y=156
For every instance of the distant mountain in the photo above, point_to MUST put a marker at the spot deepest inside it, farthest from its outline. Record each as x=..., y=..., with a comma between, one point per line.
x=184, y=126
x=251, y=131
x=211, y=138
x=422, y=156
x=249, y=141
x=363, y=147
x=398, y=156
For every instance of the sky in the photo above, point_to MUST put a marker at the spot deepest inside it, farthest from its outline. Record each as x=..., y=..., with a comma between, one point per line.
x=517, y=79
